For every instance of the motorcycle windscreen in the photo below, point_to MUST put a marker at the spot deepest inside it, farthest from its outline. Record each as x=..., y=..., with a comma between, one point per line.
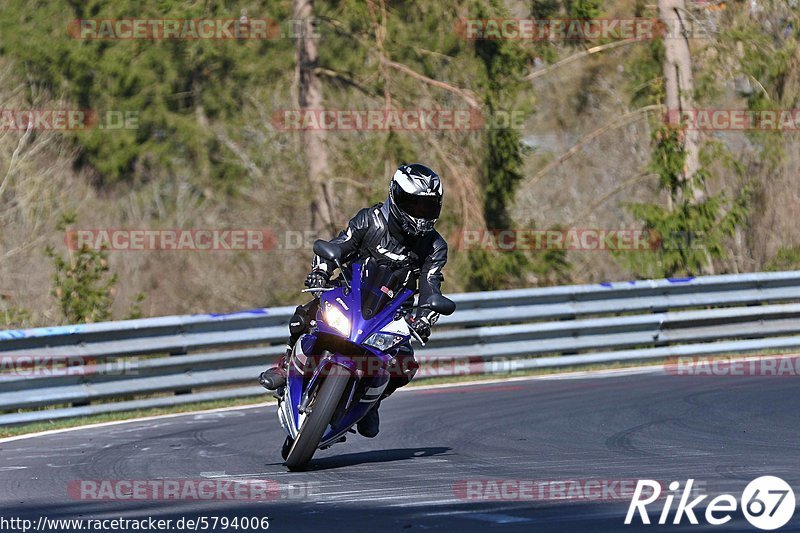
x=380, y=284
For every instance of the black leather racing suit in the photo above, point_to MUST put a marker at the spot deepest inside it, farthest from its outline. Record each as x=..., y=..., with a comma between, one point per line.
x=372, y=232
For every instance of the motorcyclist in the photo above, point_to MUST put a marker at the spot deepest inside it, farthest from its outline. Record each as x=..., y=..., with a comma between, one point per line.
x=398, y=233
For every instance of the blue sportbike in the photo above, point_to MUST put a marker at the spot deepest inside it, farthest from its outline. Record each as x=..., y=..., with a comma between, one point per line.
x=340, y=367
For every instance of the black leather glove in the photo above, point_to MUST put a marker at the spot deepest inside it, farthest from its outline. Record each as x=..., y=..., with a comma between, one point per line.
x=423, y=328
x=316, y=280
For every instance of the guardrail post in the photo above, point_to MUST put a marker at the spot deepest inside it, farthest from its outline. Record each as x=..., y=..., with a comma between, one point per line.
x=178, y=353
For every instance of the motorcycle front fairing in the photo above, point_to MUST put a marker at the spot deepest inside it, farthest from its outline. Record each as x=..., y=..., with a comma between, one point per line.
x=342, y=317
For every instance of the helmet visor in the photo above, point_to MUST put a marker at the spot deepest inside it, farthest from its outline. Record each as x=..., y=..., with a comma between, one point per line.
x=417, y=205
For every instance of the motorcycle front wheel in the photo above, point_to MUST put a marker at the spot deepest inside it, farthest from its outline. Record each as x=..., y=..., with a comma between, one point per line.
x=317, y=421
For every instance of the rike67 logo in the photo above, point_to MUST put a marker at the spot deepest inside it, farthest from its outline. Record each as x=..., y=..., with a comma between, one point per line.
x=767, y=503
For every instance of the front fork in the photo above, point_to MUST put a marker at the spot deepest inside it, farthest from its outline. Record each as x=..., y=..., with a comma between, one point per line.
x=301, y=394
x=328, y=359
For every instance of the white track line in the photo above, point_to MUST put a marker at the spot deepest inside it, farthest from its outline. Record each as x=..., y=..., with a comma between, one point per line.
x=131, y=420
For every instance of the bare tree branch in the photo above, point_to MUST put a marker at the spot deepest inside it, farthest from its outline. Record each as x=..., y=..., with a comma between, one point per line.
x=15, y=156
x=338, y=76
x=354, y=183
x=469, y=196
x=622, y=121
x=580, y=55
x=600, y=201
x=465, y=94
x=248, y=163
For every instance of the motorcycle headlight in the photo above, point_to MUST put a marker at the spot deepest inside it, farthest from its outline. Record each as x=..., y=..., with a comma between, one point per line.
x=336, y=319
x=383, y=341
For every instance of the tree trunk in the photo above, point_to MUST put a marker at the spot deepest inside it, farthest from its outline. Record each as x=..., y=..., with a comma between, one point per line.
x=379, y=26
x=679, y=83
x=309, y=96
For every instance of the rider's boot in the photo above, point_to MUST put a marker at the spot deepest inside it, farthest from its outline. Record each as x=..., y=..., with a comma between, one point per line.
x=402, y=372
x=275, y=377
x=370, y=424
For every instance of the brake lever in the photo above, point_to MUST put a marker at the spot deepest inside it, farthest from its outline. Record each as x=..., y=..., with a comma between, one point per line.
x=318, y=290
x=414, y=332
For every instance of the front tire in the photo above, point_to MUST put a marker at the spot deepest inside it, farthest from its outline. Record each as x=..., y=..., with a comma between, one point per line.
x=322, y=409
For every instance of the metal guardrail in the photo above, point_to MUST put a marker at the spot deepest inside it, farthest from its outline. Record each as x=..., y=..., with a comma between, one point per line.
x=164, y=361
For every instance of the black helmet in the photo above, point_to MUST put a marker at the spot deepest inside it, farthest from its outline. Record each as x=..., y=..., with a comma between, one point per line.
x=415, y=196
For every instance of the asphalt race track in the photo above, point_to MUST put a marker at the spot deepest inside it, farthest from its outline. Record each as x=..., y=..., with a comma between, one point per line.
x=721, y=431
